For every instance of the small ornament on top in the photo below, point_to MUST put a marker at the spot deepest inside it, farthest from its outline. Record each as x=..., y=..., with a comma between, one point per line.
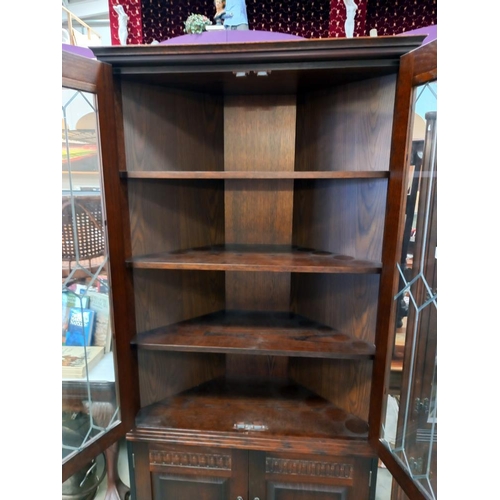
x=196, y=24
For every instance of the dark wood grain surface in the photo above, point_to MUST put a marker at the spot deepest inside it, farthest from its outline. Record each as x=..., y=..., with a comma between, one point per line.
x=348, y=125
x=275, y=258
x=345, y=383
x=88, y=75
x=171, y=129
x=153, y=59
x=394, y=227
x=162, y=374
x=277, y=408
x=254, y=174
x=347, y=302
x=255, y=332
x=281, y=194
x=259, y=132
x=175, y=214
x=167, y=297
x=425, y=64
x=258, y=212
x=341, y=216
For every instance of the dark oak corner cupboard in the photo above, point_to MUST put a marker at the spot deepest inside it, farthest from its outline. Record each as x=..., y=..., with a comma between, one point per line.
x=255, y=196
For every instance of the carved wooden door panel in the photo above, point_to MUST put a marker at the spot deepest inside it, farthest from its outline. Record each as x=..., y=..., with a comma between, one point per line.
x=298, y=491
x=279, y=476
x=304, y=491
x=184, y=487
x=172, y=472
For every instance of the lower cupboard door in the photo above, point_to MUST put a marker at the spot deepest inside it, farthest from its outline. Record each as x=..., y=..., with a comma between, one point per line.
x=197, y=473
x=275, y=476
x=189, y=487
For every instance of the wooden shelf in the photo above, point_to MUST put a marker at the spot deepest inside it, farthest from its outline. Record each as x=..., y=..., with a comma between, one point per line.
x=273, y=258
x=243, y=332
x=257, y=413
x=149, y=174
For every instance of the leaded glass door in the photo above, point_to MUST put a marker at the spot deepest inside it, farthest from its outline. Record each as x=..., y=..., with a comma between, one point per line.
x=409, y=424
x=96, y=412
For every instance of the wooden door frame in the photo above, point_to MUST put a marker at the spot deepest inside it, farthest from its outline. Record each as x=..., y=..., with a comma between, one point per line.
x=88, y=75
x=417, y=67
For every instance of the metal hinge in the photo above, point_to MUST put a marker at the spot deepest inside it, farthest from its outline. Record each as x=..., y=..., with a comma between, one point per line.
x=370, y=478
x=133, y=460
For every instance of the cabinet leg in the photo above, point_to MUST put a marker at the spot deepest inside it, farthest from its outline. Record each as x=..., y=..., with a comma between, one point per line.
x=116, y=489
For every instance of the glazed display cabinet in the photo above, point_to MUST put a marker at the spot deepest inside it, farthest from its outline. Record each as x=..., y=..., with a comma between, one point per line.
x=255, y=197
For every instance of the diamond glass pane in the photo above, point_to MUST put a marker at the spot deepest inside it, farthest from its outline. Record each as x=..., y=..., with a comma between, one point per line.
x=89, y=399
x=410, y=427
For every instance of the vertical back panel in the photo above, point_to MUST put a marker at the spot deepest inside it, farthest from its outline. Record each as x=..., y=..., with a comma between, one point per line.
x=341, y=216
x=347, y=127
x=260, y=136
x=172, y=215
x=168, y=129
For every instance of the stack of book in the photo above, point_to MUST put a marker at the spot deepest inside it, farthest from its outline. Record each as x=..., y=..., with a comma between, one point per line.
x=86, y=330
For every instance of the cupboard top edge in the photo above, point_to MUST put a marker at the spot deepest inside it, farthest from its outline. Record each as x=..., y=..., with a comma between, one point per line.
x=280, y=52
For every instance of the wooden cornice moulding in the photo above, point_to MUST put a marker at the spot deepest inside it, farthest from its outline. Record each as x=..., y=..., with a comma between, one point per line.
x=364, y=50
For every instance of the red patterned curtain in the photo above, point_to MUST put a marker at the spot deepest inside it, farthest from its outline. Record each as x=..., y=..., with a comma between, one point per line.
x=165, y=19
x=338, y=16
x=306, y=19
x=134, y=12
x=391, y=17
x=162, y=19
